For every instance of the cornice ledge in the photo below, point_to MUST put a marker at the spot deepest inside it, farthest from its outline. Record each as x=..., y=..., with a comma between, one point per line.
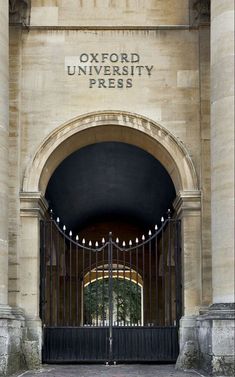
x=32, y=204
x=223, y=311
x=6, y=312
x=188, y=201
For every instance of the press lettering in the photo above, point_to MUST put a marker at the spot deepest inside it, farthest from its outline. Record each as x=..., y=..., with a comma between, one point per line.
x=110, y=70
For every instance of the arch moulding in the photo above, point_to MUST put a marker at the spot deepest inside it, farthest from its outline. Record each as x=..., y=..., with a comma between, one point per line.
x=111, y=126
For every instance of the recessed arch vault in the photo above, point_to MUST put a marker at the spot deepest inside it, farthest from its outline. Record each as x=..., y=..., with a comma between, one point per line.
x=111, y=126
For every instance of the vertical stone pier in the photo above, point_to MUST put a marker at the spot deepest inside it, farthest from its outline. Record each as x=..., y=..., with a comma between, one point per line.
x=5, y=311
x=216, y=328
x=11, y=320
x=4, y=106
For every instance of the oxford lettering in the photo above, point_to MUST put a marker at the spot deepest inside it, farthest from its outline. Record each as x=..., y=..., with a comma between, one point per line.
x=109, y=70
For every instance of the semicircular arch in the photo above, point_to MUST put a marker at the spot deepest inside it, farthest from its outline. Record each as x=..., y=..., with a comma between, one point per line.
x=111, y=126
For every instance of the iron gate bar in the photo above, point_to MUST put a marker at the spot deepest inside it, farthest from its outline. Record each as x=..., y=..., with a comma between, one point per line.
x=143, y=261
x=124, y=283
x=83, y=282
x=70, y=282
x=103, y=287
x=150, y=281
x=110, y=263
x=64, y=281
x=178, y=274
x=117, y=256
x=137, y=277
x=96, y=282
x=57, y=280
x=156, y=280
x=163, y=276
x=51, y=302
x=76, y=284
x=130, y=286
x=169, y=278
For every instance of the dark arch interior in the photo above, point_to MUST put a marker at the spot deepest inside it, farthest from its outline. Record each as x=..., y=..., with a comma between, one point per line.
x=110, y=186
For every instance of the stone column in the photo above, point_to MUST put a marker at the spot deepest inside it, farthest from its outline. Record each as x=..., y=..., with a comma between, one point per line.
x=216, y=327
x=9, y=329
x=222, y=149
x=4, y=107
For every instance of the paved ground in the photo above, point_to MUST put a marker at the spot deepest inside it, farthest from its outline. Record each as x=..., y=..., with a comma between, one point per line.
x=108, y=371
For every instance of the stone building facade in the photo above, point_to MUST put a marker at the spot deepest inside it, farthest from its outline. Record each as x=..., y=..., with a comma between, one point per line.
x=168, y=88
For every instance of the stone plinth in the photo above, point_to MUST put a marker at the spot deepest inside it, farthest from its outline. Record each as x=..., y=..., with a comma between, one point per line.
x=215, y=333
x=12, y=332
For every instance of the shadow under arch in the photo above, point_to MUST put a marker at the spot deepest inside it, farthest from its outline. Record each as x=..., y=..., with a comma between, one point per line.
x=111, y=126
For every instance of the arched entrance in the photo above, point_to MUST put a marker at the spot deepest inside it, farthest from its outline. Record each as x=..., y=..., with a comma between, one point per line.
x=142, y=133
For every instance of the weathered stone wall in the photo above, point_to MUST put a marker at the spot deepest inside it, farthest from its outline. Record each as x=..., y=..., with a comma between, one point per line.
x=51, y=97
x=109, y=12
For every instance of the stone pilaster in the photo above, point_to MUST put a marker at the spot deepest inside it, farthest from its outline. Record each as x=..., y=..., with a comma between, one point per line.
x=188, y=209
x=32, y=208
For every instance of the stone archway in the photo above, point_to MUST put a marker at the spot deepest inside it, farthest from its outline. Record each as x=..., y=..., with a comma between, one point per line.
x=99, y=127
x=111, y=126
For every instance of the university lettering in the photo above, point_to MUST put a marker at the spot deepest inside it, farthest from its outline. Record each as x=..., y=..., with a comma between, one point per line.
x=109, y=70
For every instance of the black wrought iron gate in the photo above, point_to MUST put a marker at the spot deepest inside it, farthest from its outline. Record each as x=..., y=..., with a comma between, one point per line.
x=110, y=302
